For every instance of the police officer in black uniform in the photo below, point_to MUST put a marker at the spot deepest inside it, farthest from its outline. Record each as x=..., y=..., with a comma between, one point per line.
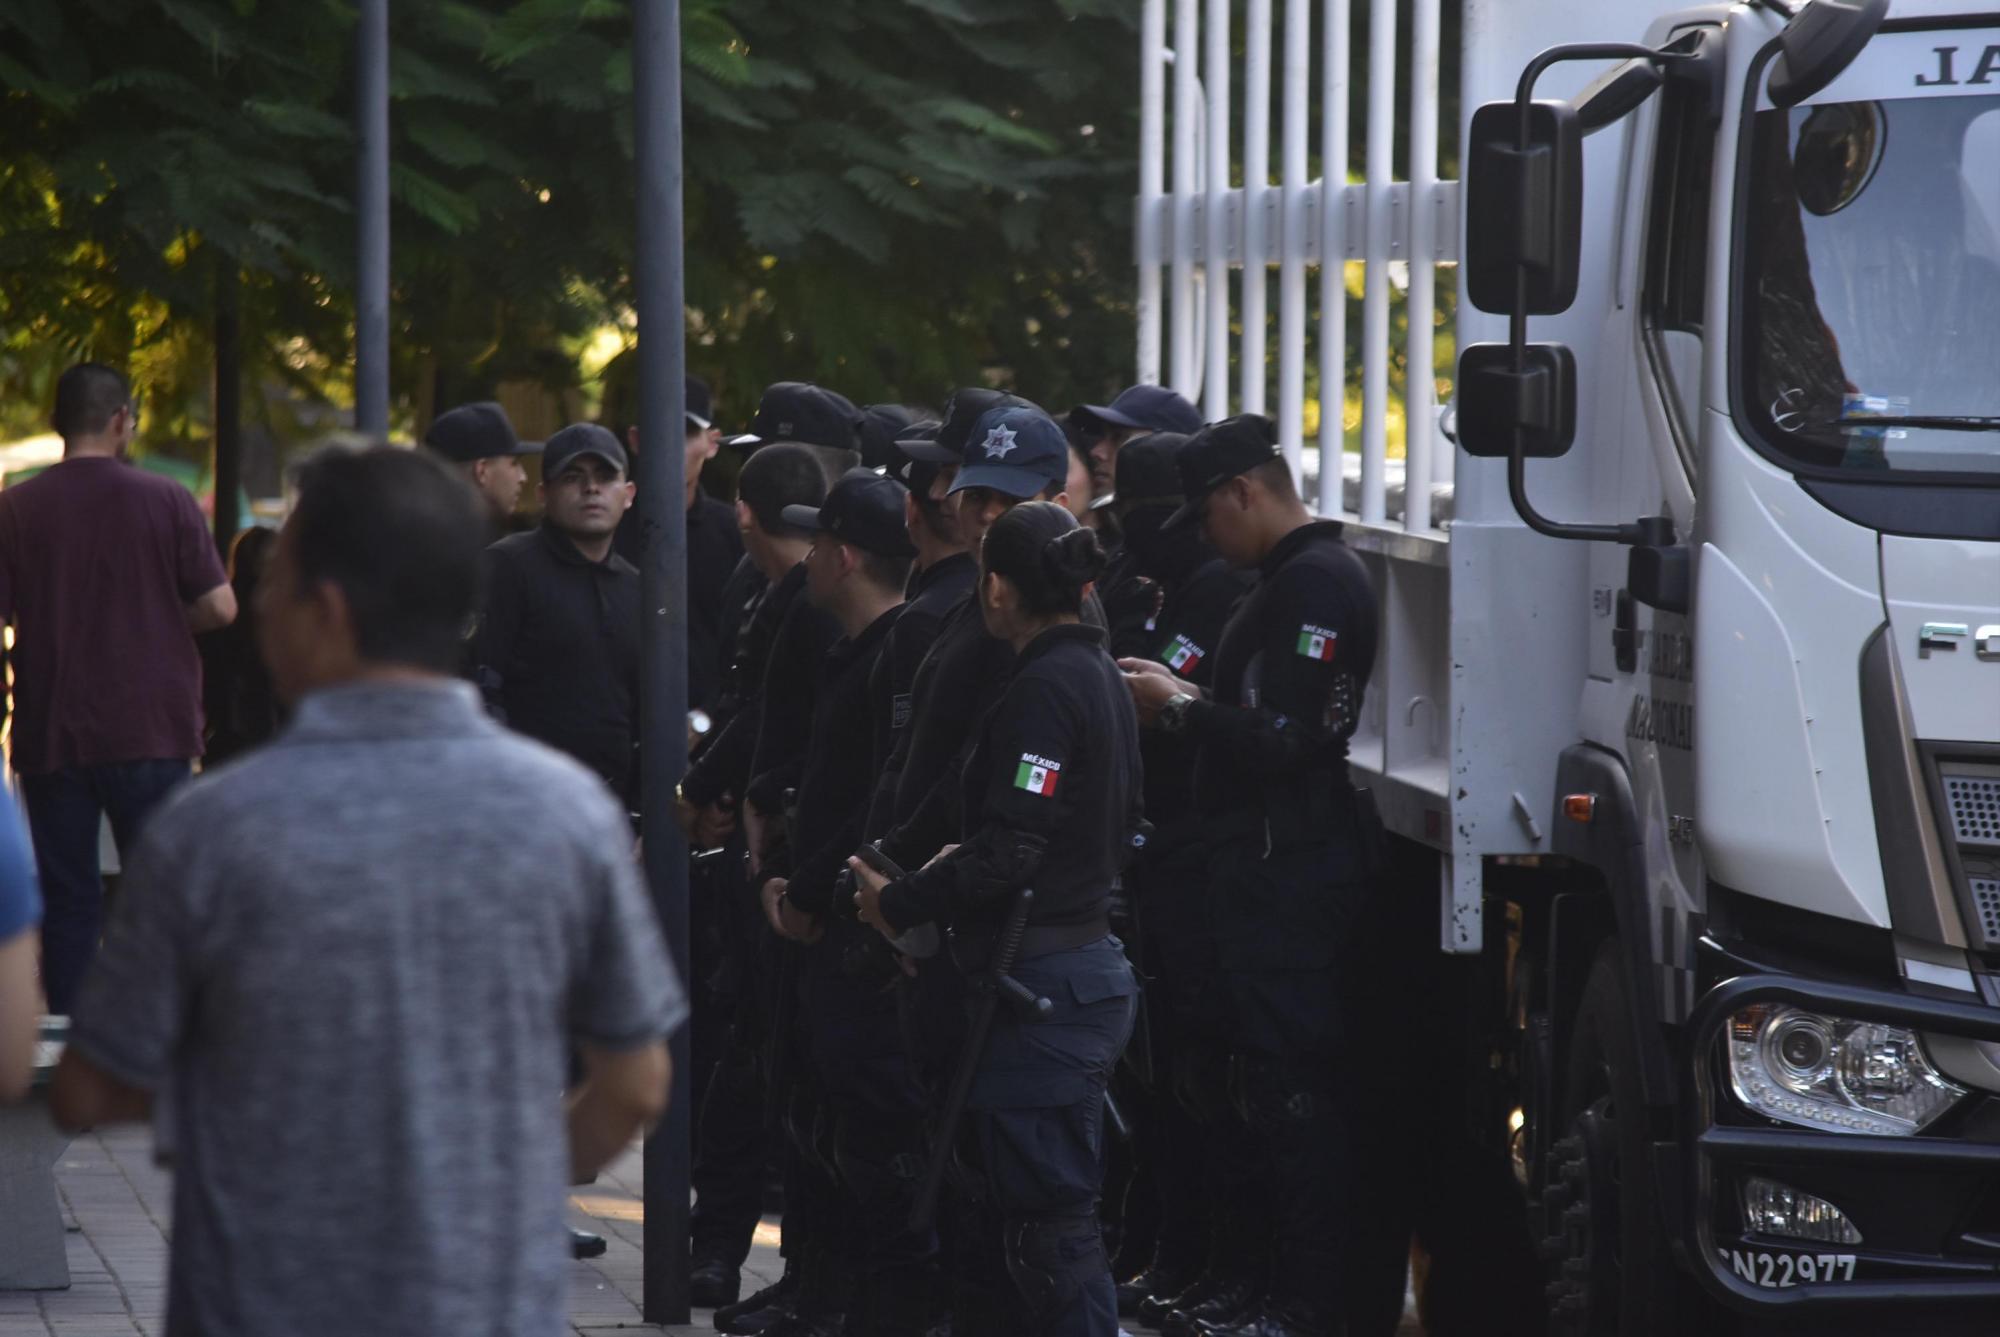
x=1191, y=1154
x=1296, y=849
x=556, y=649
x=1138, y=410
x=731, y=1151
x=1051, y=802
x=994, y=451
x=856, y=572
x=1130, y=599
x=714, y=547
x=940, y=582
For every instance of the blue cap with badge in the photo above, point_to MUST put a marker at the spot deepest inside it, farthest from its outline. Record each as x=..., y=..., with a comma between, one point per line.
x=1017, y=450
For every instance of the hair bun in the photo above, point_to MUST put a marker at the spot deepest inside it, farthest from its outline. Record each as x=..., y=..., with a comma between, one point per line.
x=1074, y=558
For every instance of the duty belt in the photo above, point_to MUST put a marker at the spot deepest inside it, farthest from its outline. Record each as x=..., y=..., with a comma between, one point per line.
x=1047, y=939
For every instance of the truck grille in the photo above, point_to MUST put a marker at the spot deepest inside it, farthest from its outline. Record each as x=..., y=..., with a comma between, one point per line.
x=1986, y=895
x=1974, y=800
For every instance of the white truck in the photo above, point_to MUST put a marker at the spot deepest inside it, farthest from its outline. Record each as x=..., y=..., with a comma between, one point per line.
x=1690, y=669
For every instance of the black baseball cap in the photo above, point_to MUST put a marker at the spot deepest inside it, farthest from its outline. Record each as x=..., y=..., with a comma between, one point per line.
x=864, y=509
x=1147, y=471
x=809, y=414
x=582, y=438
x=700, y=404
x=1015, y=449
x=915, y=473
x=474, y=432
x=1217, y=453
x=962, y=413
x=882, y=425
x=1151, y=408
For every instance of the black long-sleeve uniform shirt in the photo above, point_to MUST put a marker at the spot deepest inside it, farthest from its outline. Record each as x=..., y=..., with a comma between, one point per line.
x=964, y=673
x=934, y=592
x=957, y=681
x=785, y=715
x=849, y=742
x=1050, y=795
x=1289, y=676
x=556, y=650
x=1131, y=597
x=724, y=766
x=1184, y=635
x=714, y=546
x=742, y=594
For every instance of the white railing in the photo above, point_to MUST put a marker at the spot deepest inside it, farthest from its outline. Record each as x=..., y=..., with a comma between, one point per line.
x=1202, y=229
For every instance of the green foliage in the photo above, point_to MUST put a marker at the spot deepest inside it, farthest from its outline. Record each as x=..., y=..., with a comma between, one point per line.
x=892, y=198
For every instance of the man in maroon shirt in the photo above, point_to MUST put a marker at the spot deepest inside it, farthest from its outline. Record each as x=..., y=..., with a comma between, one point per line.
x=106, y=574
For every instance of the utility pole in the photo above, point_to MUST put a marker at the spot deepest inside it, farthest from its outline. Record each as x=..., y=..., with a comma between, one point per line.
x=371, y=220
x=663, y=704
x=227, y=404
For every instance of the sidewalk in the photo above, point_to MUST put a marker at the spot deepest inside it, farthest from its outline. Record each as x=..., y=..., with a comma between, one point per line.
x=119, y=1204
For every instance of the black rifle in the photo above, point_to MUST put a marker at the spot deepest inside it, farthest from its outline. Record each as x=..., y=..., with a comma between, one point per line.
x=994, y=985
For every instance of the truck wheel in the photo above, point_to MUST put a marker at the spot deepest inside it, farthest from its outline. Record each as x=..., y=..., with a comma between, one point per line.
x=1614, y=1272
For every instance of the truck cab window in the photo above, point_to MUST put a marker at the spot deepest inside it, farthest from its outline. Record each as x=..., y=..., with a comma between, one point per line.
x=1676, y=272
x=1870, y=280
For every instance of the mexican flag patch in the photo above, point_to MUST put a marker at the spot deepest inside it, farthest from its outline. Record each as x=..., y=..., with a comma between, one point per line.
x=1317, y=643
x=1181, y=654
x=1037, y=775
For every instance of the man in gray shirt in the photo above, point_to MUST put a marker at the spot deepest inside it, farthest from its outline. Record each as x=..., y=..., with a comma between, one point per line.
x=357, y=960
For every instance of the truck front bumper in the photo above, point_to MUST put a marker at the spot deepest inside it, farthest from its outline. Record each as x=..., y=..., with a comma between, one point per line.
x=1927, y=1207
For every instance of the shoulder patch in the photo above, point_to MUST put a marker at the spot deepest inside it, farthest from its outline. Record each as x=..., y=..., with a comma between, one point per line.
x=1181, y=654
x=1317, y=643
x=1037, y=775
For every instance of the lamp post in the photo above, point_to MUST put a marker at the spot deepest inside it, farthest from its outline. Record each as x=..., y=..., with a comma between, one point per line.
x=371, y=220
x=656, y=111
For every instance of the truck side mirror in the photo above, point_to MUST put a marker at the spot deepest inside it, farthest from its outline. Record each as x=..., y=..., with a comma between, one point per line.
x=1819, y=44
x=1659, y=572
x=1494, y=400
x=1524, y=208
x=1617, y=93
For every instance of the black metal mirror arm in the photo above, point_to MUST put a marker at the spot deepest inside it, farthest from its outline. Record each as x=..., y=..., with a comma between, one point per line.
x=1517, y=318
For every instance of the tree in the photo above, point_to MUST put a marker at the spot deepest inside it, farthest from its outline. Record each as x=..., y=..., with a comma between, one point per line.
x=889, y=198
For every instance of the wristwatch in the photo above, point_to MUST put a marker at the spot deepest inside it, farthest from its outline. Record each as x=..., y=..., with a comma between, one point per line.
x=1173, y=715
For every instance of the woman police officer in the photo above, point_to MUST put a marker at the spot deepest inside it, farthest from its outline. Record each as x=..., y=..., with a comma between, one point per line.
x=1052, y=803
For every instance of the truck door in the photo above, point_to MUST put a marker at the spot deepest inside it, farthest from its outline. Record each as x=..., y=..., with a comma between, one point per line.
x=1643, y=658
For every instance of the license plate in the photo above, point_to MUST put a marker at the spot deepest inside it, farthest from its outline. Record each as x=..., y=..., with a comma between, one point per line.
x=1781, y=1270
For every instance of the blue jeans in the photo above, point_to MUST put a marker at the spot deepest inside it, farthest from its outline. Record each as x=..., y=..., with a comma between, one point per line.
x=66, y=808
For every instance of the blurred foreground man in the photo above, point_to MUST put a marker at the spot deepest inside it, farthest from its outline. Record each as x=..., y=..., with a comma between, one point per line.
x=359, y=957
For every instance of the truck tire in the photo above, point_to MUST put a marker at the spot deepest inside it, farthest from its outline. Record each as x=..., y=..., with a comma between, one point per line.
x=1614, y=1270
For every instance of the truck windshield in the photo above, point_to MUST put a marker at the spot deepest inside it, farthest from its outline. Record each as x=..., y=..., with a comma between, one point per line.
x=1872, y=284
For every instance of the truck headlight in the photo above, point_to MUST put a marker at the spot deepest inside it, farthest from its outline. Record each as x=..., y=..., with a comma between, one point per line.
x=1833, y=1072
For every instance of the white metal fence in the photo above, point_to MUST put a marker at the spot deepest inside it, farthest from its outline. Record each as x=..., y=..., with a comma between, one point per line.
x=1202, y=228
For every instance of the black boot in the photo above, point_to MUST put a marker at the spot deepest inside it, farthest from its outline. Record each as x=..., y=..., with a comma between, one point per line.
x=761, y=1310
x=819, y=1309
x=1160, y=1281
x=1154, y=1309
x=1229, y=1301
x=583, y=1244
x=713, y=1283
x=1279, y=1318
